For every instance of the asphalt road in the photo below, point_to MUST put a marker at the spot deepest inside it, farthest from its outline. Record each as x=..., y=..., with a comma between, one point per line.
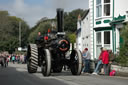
x=16, y=74
x=11, y=76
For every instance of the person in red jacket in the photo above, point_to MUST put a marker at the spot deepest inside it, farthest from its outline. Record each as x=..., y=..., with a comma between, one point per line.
x=105, y=61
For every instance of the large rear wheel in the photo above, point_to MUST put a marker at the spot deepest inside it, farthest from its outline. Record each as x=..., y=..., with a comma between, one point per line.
x=76, y=62
x=32, y=58
x=46, y=63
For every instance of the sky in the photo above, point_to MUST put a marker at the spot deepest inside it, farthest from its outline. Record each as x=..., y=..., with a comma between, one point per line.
x=33, y=10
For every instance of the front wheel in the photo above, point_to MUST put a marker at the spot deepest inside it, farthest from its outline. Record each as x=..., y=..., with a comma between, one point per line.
x=46, y=63
x=32, y=58
x=76, y=62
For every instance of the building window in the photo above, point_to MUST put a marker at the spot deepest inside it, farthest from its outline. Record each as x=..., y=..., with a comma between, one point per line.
x=107, y=37
x=87, y=18
x=98, y=8
x=98, y=38
x=106, y=7
x=98, y=43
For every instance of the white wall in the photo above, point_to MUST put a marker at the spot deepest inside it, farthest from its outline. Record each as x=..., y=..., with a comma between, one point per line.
x=79, y=42
x=120, y=7
x=91, y=28
x=118, y=27
x=84, y=37
x=78, y=25
x=79, y=37
x=86, y=33
x=103, y=24
x=102, y=18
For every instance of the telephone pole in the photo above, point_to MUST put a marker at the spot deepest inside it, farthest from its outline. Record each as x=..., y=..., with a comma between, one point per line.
x=19, y=34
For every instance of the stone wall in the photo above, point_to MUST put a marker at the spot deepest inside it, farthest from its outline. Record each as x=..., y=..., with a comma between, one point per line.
x=119, y=68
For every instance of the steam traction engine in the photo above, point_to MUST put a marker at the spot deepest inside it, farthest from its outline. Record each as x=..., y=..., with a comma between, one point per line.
x=49, y=52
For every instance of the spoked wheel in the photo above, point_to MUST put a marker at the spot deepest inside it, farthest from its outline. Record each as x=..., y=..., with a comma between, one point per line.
x=32, y=58
x=76, y=62
x=46, y=63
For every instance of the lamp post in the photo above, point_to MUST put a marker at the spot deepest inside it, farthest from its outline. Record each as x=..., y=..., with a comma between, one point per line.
x=19, y=36
x=19, y=33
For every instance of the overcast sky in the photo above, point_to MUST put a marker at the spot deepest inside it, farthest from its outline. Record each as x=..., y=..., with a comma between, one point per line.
x=33, y=10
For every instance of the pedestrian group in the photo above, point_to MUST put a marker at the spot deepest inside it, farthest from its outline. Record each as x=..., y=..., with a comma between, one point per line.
x=5, y=58
x=103, y=65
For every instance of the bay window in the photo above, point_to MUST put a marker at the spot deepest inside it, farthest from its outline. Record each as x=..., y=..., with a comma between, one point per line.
x=98, y=8
x=106, y=7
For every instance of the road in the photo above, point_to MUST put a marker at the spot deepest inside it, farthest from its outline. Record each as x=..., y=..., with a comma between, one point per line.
x=16, y=74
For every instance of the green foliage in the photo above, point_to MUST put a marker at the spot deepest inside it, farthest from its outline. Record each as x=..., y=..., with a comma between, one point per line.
x=41, y=27
x=71, y=37
x=70, y=20
x=9, y=32
x=9, y=45
x=123, y=55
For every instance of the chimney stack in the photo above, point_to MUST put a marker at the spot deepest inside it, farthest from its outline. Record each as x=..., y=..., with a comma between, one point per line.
x=60, y=20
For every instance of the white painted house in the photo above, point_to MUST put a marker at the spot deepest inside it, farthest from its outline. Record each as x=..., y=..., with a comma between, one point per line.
x=83, y=31
x=79, y=36
x=106, y=18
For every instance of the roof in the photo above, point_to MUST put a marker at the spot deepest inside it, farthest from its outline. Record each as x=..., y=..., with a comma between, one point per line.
x=85, y=14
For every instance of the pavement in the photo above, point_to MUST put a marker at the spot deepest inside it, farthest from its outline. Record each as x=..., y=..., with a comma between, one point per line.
x=17, y=75
x=66, y=78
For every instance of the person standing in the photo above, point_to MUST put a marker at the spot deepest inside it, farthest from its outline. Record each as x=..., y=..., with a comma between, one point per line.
x=5, y=60
x=111, y=59
x=99, y=63
x=13, y=59
x=1, y=60
x=105, y=61
x=86, y=59
x=7, y=56
x=18, y=58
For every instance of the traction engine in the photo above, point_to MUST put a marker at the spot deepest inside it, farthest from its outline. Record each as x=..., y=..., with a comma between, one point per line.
x=49, y=52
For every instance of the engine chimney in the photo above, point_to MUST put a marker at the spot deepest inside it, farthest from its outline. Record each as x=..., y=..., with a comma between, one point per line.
x=60, y=20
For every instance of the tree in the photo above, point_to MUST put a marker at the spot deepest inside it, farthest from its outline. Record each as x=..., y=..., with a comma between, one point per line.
x=40, y=27
x=24, y=29
x=9, y=32
x=70, y=20
x=71, y=37
x=123, y=55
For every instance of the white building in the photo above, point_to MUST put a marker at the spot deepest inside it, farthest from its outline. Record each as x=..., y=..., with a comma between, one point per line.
x=79, y=36
x=83, y=31
x=106, y=18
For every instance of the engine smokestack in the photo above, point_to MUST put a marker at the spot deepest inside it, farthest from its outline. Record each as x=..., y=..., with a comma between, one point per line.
x=60, y=20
